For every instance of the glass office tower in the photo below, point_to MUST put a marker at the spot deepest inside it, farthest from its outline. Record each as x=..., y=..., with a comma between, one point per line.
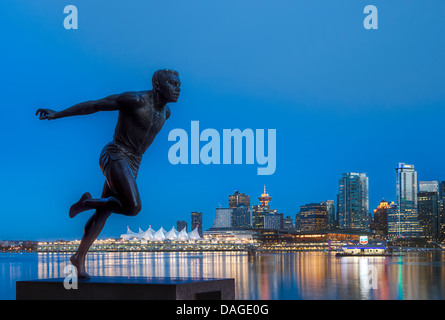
x=407, y=219
x=428, y=209
x=313, y=217
x=353, y=201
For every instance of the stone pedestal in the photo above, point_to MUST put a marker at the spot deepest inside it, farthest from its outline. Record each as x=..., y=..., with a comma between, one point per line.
x=128, y=288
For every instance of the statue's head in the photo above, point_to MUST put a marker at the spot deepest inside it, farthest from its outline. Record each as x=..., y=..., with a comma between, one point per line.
x=166, y=83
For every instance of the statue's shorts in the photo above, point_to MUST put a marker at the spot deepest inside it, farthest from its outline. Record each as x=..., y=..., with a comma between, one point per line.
x=115, y=152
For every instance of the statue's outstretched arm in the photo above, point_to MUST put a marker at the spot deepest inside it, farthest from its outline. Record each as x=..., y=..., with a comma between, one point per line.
x=126, y=100
x=106, y=104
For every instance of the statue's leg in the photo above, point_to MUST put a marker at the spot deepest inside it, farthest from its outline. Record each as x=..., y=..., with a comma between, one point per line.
x=92, y=230
x=79, y=207
x=125, y=199
x=120, y=195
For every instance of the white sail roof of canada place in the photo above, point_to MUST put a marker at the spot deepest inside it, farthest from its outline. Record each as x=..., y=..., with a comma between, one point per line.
x=129, y=235
x=172, y=234
x=161, y=234
x=194, y=235
x=183, y=235
x=148, y=234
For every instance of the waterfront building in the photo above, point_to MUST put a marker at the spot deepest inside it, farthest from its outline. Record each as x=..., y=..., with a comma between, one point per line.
x=258, y=213
x=428, y=207
x=223, y=218
x=408, y=223
x=442, y=189
x=393, y=221
x=298, y=222
x=239, y=236
x=238, y=198
x=380, y=220
x=288, y=224
x=330, y=213
x=197, y=221
x=353, y=201
x=273, y=221
x=336, y=217
x=313, y=216
x=240, y=217
x=318, y=240
x=442, y=210
x=429, y=186
x=363, y=250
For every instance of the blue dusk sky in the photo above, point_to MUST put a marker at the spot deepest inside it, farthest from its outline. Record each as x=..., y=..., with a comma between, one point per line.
x=341, y=98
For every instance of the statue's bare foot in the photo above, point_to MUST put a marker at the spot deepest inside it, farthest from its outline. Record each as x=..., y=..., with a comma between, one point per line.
x=79, y=206
x=80, y=267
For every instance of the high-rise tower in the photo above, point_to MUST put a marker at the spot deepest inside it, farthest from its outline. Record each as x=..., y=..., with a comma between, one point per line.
x=265, y=199
x=237, y=198
x=407, y=220
x=380, y=222
x=197, y=221
x=261, y=214
x=353, y=201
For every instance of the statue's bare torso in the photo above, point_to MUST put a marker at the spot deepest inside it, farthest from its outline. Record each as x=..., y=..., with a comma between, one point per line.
x=139, y=123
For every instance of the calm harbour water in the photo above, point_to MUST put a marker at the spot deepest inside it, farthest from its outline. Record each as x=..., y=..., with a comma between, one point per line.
x=274, y=276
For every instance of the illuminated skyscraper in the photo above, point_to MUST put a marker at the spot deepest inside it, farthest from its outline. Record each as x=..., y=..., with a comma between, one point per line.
x=273, y=221
x=313, y=216
x=353, y=201
x=181, y=225
x=428, y=208
x=442, y=210
x=240, y=217
x=429, y=186
x=407, y=222
x=237, y=198
x=265, y=199
x=393, y=221
x=197, y=222
x=380, y=222
x=260, y=211
x=288, y=223
x=223, y=218
x=330, y=213
x=442, y=190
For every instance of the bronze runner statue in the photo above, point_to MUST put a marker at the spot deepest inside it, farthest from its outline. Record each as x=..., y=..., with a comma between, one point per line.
x=142, y=115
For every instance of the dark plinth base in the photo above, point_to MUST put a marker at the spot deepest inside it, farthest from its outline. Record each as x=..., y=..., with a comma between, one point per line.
x=128, y=288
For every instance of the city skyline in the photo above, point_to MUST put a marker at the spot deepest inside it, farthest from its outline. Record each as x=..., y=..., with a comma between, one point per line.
x=339, y=96
x=406, y=217
x=264, y=199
